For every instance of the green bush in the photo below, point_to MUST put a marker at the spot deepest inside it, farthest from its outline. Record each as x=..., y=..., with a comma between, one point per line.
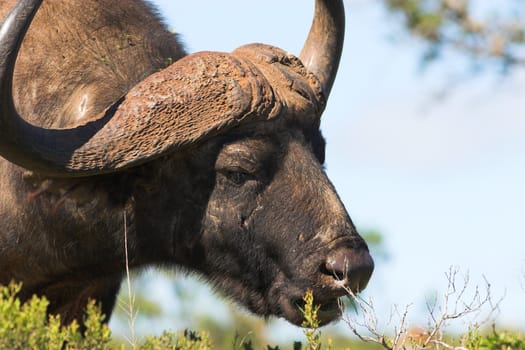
x=496, y=340
x=190, y=341
x=27, y=326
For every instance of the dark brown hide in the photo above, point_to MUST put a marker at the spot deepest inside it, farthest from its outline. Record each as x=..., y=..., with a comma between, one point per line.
x=80, y=58
x=251, y=210
x=75, y=61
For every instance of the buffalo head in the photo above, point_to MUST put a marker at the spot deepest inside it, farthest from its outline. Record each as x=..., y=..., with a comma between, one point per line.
x=219, y=164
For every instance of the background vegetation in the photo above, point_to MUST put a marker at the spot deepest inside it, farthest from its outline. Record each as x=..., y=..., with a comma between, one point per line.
x=27, y=326
x=488, y=32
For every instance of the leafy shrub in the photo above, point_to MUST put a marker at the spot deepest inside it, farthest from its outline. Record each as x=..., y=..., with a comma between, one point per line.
x=27, y=326
x=496, y=340
x=170, y=341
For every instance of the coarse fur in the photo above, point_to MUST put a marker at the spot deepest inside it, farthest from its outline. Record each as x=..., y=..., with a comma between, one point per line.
x=251, y=210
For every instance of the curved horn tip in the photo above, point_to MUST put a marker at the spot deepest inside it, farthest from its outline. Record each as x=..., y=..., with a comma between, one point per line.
x=12, y=31
x=322, y=50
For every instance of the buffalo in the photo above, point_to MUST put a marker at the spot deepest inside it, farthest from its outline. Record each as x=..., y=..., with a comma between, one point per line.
x=115, y=142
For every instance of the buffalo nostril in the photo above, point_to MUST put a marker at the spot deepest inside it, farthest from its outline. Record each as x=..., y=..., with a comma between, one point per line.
x=352, y=266
x=337, y=266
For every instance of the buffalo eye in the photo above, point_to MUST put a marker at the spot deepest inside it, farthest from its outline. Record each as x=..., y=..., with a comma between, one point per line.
x=238, y=177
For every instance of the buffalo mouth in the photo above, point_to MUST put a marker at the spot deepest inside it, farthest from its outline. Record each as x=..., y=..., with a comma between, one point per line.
x=292, y=309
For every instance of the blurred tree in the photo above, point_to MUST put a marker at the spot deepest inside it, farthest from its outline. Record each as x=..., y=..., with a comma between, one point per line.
x=376, y=244
x=486, y=32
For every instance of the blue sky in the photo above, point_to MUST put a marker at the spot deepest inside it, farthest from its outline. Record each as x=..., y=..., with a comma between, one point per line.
x=441, y=178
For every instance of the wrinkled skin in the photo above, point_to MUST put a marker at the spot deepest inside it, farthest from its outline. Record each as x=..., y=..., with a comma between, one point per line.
x=252, y=211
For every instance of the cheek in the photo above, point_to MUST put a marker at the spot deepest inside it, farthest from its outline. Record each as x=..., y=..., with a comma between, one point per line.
x=230, y=207
x=231, y=214
x=287, y=213
x=233, y=250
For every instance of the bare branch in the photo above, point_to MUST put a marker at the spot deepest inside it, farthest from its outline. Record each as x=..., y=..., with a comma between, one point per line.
x=459, y=301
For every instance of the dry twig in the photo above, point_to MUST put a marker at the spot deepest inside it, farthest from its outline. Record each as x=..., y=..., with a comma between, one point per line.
x=459, y=301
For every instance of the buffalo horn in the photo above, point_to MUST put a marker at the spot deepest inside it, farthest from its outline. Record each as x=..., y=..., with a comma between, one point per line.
x=322, y=50
x=199, y=96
